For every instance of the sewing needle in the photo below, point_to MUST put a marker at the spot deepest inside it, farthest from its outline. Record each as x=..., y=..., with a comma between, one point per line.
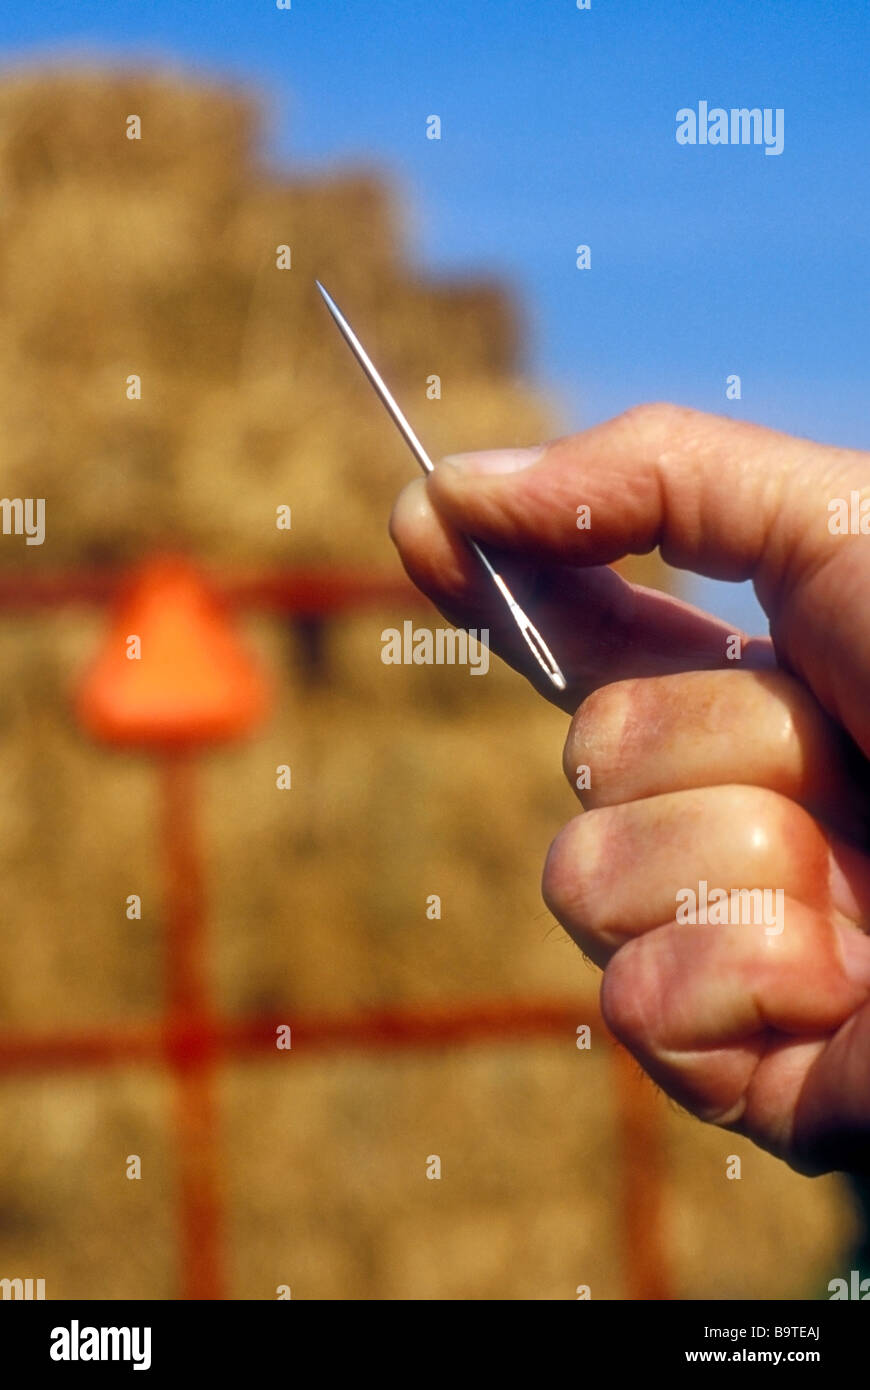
x=533, y=638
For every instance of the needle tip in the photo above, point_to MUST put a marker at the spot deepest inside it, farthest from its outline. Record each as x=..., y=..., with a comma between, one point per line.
x=558, y=680
x=330, y=302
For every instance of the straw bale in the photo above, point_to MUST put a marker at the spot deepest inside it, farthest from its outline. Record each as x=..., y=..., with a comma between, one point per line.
x=158, y=258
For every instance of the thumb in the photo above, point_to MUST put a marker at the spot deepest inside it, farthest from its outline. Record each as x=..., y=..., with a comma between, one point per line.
x=720, y=497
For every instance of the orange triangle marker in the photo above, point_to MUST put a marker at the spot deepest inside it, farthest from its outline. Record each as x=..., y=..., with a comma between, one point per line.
x=192, y=683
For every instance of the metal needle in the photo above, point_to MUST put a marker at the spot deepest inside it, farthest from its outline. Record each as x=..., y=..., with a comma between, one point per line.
x=533, y=638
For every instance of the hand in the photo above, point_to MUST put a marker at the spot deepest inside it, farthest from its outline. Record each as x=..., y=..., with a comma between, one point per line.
x=748, y=774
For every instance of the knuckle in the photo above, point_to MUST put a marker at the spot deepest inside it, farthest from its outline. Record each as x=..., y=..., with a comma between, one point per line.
x=558, y=870
x=651, y=419
x=594, y=738
x=622, y=1000
x=757, y=817
x=567, y=877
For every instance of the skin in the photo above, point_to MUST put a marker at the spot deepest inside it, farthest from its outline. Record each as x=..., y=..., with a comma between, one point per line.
x=749, y=773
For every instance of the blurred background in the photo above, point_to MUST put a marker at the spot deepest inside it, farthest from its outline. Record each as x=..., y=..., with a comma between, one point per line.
x=413, y=1035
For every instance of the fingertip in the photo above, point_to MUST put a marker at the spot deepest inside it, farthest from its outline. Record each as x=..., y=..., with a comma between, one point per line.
x=435, y=555
x=445, y=482
x=412, y=513
x=477, y=499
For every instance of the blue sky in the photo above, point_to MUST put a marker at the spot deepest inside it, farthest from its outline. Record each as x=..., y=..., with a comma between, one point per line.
x=558, y=128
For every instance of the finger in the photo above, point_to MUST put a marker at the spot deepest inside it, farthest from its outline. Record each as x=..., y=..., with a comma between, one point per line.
x=831, y=1125
x=730, y=1021
x=601, y=627
x=724, y=498
x=639, y=738
x=720, y=497
x=616, y=872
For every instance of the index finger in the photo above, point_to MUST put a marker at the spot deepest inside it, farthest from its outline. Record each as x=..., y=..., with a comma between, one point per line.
x=600, y=627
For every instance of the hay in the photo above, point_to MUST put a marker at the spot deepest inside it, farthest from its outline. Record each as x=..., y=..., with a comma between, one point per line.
x=157, y=257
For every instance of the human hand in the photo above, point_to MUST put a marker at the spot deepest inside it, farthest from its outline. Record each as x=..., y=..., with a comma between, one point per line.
x=744, y=775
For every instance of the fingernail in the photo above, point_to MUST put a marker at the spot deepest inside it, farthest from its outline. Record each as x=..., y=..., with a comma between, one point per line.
x=496, y=460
